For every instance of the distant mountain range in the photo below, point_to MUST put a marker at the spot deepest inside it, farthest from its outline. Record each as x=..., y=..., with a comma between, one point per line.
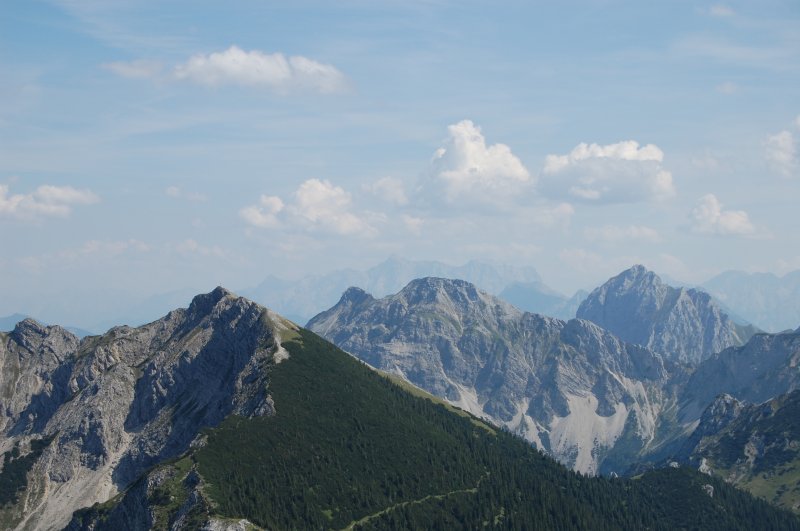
x=227, y=416
x=770, y=302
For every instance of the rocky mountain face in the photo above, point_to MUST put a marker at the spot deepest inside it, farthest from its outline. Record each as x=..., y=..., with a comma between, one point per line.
x=770, y=302
x=683, y=325
x=302, y=299
x=82, y=419
x=754, y=446
x=765, y=367
x=571, y=388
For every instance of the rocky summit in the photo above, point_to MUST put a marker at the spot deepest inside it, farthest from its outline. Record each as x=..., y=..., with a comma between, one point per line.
x=569, y=387
x=82, y=419
x=684, y=325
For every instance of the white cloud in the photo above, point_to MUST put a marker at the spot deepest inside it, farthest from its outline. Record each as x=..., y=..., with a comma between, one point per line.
x=389, y=189
x=138, y=69
x=708, y=217
x=316, y=206
x=322, y=206
x=781, y=153
x=615, y=234
x=466, y=168
x=720, y=10
x=46, y=200
x=254, y=68
x=173, y=191
x=614, y=173
x=265, y=214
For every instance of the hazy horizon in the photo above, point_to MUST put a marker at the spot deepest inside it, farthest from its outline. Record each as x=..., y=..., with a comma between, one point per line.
x=149, y=148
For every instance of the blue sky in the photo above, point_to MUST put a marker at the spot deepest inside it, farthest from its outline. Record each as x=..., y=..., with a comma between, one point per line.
x=153, y=146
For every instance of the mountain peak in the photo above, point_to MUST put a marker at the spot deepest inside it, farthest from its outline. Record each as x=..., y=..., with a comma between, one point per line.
x=682, y=325
x=30, y=325
x=639, y=274
x=205, y=301
x=354, y=295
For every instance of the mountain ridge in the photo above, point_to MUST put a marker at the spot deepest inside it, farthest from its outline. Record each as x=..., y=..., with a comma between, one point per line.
x=568, y=387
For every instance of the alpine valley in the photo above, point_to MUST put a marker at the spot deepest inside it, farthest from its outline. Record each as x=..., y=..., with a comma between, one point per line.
x=226, y=415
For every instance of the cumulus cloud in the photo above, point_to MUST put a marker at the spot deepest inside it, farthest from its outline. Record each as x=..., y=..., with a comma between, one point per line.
x=45, y=201
x=316, y=206
x=325, y=207
x=255, y=68
x=709, y=217
x=614, y=173
x=615, y=234
x=390, y=190
x=781, y=153
x=465, y=168
x=265, y=213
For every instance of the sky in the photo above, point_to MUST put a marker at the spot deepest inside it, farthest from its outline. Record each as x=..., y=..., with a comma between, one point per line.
x=154, y=146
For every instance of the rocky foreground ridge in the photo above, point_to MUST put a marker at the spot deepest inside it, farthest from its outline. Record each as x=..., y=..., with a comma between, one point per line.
x=88, y=417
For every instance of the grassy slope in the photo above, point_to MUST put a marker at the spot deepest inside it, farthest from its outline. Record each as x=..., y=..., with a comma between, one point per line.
x=348, y=448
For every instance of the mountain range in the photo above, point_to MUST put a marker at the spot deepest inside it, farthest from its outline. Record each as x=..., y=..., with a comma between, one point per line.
x=302, y=299
x=225, y=415
x=579, y=392
x=570, y=387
